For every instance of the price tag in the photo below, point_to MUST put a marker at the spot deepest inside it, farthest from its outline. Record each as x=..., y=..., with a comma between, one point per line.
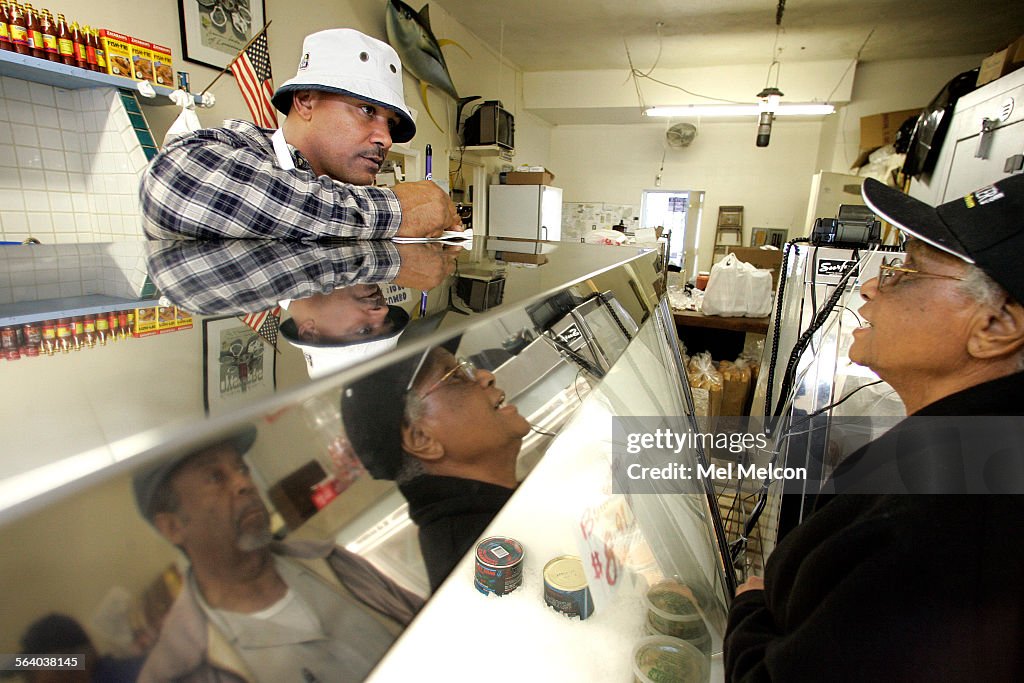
x=605, y=537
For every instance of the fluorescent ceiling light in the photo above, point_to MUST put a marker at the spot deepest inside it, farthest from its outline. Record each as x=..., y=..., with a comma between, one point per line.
x=710, y=110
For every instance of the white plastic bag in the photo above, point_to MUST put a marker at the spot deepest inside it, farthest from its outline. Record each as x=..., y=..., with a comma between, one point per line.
x=737, y=289
x=187, y=120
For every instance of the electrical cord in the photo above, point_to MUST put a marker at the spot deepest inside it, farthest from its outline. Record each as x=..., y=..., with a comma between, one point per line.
x=777, y=330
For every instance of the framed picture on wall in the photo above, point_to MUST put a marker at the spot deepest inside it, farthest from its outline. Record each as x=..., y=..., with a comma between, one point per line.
x=775, y=237
x=214, y=31
x=238, y=365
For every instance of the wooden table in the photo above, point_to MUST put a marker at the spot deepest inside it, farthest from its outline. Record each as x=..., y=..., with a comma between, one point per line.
x=698, y=319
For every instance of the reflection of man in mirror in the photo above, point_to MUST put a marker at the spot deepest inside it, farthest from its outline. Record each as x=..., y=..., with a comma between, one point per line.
x=339, y=329
x=441, y=429
x=251, y=608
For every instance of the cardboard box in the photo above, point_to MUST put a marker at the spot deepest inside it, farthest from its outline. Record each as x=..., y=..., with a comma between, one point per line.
x=183, y=319
x=880, y=129
x=142, y=59
x=998, y=64
x=163, y=70
x=118, y=51
x=146, y=322
x=544, y=177
x=167, y=318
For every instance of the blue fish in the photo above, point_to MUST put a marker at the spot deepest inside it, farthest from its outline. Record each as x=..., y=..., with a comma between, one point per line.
x=409, y=33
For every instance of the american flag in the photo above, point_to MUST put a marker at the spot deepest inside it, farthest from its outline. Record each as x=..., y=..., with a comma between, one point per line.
x=265, y=324
x=252, y=70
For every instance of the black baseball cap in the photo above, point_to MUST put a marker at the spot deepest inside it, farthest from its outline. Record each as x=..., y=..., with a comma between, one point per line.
x=372, y=407
x=148, y=481
x=984, y=228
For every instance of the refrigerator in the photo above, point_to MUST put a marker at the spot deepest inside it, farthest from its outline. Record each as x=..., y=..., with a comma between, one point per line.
x=525, y=211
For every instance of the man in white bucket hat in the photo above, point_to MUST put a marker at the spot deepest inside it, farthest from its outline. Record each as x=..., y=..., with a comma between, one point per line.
x=312, y=178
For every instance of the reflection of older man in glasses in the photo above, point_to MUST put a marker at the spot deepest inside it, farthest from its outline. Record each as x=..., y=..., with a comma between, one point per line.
x=251, y=608
x=886, y=580
x=440, y=428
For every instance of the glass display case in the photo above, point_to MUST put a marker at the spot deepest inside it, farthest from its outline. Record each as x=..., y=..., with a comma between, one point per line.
x=569, y=342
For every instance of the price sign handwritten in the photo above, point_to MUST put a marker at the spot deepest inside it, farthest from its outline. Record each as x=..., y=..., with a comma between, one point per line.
x=605, y=536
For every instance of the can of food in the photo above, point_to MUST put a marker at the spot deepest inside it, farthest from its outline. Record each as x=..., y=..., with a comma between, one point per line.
x=565, y=587
x=499, y=565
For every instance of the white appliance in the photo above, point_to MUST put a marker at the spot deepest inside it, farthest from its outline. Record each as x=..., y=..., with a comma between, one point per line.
x=985, y=142
x=525, y=211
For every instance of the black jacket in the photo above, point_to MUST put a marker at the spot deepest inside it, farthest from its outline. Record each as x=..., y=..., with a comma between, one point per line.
x=451, y=513
x=894, y=587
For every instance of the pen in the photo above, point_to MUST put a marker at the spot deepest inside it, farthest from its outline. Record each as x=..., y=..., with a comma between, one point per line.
x=423, y=304
x=430, y=162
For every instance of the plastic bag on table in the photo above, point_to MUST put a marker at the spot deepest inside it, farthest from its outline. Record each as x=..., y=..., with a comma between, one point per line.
x=737, y=289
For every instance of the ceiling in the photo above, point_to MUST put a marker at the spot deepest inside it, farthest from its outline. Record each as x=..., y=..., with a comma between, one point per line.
x=554, y=35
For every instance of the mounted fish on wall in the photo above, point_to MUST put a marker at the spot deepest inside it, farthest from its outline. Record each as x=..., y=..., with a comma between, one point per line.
x=410, y=34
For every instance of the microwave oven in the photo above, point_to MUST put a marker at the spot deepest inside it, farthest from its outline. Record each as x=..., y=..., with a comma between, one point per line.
x=489, y=124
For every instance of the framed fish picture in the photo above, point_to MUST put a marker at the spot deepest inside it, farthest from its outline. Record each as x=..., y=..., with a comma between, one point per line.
x=214, y=31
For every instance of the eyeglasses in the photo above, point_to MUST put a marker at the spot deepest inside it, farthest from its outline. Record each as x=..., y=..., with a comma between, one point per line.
x=464, y=371
x=890, y=275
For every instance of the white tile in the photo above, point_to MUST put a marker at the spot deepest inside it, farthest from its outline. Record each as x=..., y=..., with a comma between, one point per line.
x=79, y=202
x=49, y=291
x=48, y=276
x=71, y=289
x=121, y=164
x=57, y=180
x=29, y=157
x=32, y=180
x=6, y=295
x=78, y=182
x=12, y=200
x=30, y=293
x=84, y=221
x=42, y=94
x=5, y=133
x=18, y=267
x=64, y=222
x=72, y=141
x=69, y=120
x=53, y=160
x=72, y=161
x=20, y=112
x=60, y=202
x=15, y=89
x=40, y=222
x=130, y=205
x=4, y=116
x=50, y=138
x=15, y=221
x=25, y=134
x=46, y=115
x=66, y=99
x=8, y=157
x=99, y=203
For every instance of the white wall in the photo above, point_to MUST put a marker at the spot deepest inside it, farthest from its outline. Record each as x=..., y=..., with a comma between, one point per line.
x=881, y=87
x=616, y=163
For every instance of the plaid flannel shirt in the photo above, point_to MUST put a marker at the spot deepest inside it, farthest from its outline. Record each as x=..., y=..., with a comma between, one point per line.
x=225, y=183
x=235, y=277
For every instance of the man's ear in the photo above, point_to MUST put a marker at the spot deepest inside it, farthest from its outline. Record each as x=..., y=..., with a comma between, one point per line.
x=998, y=334
x=302, y=104
x=307, y=331
x=418, y=441
x=170, y=527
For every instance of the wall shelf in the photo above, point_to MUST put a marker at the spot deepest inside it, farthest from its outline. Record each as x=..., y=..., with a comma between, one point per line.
x=66, y=307
x=29, y=68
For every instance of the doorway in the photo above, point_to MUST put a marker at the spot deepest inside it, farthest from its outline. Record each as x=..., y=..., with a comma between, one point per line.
x=678, y=212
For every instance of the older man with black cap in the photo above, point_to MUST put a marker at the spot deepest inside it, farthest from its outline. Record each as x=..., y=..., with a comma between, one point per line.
x=439, y=427
x=313, y=177
x=915, y=586
x=252, y=609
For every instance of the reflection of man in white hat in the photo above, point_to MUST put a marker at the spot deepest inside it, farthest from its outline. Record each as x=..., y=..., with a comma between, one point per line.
x=312, y=177
x=339, y=329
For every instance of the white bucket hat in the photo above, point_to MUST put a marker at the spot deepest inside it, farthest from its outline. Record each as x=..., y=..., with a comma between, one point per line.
x=345, y=61
x=327, y=357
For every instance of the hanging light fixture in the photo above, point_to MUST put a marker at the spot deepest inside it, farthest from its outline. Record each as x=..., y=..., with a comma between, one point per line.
x=768, y=105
